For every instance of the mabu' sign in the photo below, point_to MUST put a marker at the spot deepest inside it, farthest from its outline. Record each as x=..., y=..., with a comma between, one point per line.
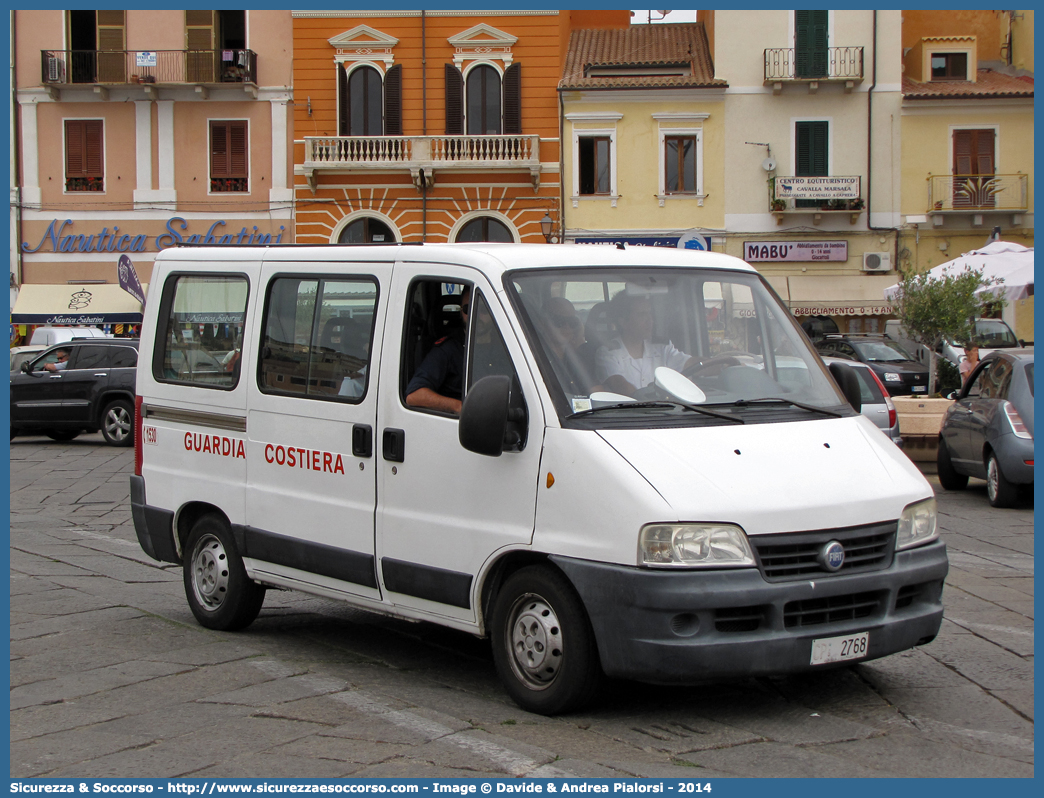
x=60, y=238
x=801, y=251
x=818, y=188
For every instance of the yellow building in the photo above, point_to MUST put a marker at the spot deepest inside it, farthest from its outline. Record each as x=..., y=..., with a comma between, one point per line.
x=967, y=138
x=643, y=137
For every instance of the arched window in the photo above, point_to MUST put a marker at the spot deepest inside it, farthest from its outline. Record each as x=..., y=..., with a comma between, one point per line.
x=484, y=228
x=366, y=230
x=483, y=102
x=365, y=102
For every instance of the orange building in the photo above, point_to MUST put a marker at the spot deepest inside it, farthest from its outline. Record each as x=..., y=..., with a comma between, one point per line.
x=430, y=125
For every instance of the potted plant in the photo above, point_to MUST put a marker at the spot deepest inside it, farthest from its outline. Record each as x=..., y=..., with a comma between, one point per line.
x=779, y=204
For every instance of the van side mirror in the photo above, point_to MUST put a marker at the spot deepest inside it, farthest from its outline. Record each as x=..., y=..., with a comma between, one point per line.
x=848, y=381
x=484, y=416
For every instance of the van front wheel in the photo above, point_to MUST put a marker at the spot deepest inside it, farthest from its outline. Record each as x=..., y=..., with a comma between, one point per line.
x=543, y=646
x=219, y=592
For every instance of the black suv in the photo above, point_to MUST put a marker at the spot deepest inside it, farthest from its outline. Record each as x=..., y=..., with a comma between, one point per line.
x=900, y=373
x=93, y=390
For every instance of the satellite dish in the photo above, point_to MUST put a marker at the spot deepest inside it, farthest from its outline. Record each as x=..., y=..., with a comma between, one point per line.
x=769, y=164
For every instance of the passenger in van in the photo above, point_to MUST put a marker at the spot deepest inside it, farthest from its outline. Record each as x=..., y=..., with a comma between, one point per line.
x=565, y=336
x=438, y=383
x=61, y=363
x=627, y=364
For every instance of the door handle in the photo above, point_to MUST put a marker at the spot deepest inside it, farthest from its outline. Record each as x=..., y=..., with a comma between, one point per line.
x=56, y=376
x=393, y=445
x=362, y=440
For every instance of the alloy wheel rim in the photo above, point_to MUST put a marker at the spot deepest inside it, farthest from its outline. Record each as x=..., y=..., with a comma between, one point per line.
x=992, y=479
x=535, y=640
x=210, y=573
x=117, y=423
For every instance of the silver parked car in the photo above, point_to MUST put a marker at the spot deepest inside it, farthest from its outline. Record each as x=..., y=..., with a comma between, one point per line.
x=987, y=432
x=877, y=404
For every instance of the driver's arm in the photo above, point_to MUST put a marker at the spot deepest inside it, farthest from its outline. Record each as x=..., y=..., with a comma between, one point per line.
x=617, y=384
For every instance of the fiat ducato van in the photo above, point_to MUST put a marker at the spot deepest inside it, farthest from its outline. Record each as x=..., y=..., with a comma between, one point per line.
x=651, y=476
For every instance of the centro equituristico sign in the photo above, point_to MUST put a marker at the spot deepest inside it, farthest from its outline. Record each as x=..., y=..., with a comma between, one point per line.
x=60, y=238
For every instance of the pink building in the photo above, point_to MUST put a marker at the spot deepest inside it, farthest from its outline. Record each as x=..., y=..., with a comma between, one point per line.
x=136, y=130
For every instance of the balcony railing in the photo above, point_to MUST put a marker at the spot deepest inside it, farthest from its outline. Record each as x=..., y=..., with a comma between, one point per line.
x=67, y=67
x=832, y=64
x=390, y=151
x=978, y=193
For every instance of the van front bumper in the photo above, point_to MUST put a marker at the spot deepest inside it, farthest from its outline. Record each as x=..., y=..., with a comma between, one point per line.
x=685, y=627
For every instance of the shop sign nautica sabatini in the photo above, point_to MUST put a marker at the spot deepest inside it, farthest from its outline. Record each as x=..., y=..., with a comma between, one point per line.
x=59, y=237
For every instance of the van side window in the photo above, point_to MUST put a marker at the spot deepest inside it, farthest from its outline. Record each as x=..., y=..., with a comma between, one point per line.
x=317, y=335
x=433, y=338
x=201, y=327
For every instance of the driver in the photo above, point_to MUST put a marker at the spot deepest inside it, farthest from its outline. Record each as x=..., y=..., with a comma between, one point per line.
x=627, y=364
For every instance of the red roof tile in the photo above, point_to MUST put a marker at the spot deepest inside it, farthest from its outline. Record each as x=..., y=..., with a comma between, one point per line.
x=640, y=47
x=989, y=84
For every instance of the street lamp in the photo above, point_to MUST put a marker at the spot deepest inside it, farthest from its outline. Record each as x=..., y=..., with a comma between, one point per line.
x=547, y=224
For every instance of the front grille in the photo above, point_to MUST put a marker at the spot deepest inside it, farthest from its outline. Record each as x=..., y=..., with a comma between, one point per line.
x=739, y=619
x=835, y=609
x=795, y=555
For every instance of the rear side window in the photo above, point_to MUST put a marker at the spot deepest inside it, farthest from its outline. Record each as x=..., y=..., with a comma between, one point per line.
x=317, y=336
x=92, y=357
x=122, y=357
x=201, y=330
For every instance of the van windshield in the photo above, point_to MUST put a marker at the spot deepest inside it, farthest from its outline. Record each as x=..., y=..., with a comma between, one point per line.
x=994, y=334
x=659, y=342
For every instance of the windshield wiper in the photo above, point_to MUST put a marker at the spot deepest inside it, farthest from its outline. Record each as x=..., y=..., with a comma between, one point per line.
x=658, y=403
x=780, y=399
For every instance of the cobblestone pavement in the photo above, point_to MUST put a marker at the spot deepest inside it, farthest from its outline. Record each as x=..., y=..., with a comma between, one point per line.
x=112, y=677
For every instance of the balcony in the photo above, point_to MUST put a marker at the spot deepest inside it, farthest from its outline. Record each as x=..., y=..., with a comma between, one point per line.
x=834, y=65
x=422, y=155
x=105, y=69
x=976, y=195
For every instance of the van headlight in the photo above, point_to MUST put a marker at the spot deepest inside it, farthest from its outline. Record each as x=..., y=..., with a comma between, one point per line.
x=693, y=545
x=918, y=524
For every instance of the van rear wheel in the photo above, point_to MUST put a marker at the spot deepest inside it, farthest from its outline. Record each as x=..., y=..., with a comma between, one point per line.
x=219, y=592
x=543, y=645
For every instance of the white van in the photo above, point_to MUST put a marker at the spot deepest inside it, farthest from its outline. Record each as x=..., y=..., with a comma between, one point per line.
x=49, y=336
x=723, y=512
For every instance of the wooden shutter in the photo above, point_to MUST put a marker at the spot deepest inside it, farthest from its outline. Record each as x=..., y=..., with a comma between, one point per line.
x=112, y=64
x=810, y=44
x=454, y=101
x=393, y=101
x=513, y=100
x=199, y=42
x=83, y=148
x=228, y=149
x=342, y=101
x=973, y=152
x=812, y=153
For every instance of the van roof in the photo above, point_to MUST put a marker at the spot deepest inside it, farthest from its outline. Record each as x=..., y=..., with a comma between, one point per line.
x=492, y=259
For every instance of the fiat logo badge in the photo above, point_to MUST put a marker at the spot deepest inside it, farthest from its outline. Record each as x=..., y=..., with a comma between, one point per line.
x=832, y=556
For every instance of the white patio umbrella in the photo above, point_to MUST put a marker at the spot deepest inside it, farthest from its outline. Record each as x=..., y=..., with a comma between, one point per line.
x=1012, y=263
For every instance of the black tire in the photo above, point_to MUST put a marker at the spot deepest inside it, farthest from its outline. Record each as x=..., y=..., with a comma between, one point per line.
x=219, y=592
x=1000, y=492
x=117, y=423
x=62, y=434
x=948, y=476
x=543, y=646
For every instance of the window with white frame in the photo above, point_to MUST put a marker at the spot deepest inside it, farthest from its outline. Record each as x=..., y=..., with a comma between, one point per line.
x=594, y=157
x=681, y=155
